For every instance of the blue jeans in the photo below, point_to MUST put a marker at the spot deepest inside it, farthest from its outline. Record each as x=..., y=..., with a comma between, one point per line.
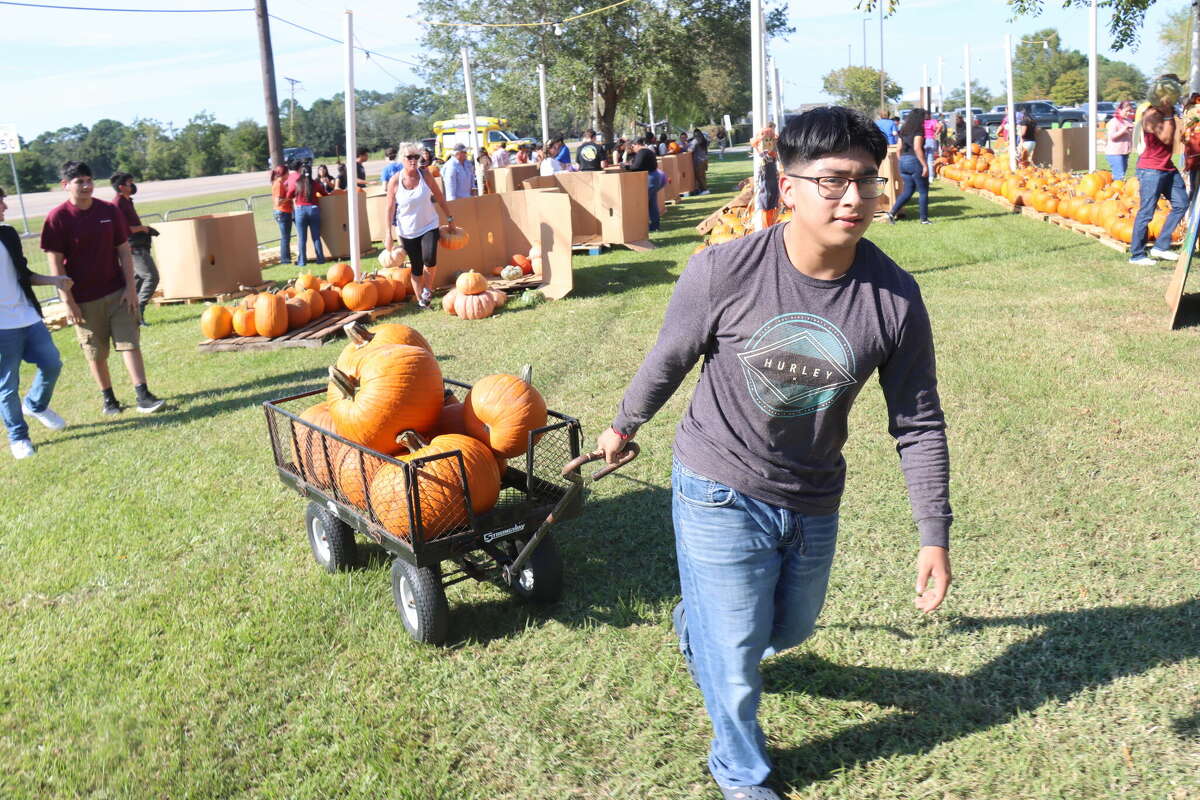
x=308, y=221
x=910, y=171
x=1152, y=184
x=1118, y=164
x=753, y=578
x=284, y=220
x=654, y=185
x=930, y=157
x=32, y=344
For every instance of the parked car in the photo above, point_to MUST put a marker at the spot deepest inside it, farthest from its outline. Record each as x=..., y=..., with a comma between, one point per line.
x=304, y=155
x=975, y=112
x=1044, y=113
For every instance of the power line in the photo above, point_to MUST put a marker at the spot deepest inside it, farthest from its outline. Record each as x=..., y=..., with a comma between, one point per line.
x=127, y=10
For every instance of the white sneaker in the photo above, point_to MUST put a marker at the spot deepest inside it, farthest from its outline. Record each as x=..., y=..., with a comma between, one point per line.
x=21, y=448
x=1144, y=261
x=426, y=295
x=46, y=416
x=1163, y=255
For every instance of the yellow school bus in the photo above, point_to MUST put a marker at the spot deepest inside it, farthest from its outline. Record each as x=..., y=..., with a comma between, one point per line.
x=492, y=131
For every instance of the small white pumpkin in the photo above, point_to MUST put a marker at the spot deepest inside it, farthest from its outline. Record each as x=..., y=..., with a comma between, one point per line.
x=511, y=273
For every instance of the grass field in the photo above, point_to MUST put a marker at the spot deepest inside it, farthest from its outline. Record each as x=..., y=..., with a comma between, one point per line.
x=166, y=633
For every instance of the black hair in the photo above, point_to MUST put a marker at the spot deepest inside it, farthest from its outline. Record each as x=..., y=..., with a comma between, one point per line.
x=292, y=165
x=829, y=131
x=119, y=178
x=71, y=170
x=590, y=132
x=391, y=153
x=304, y=184
x=362, y=151
x=914, y=123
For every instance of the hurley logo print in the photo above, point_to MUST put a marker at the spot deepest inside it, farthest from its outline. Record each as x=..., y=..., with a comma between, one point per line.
x=797, y=364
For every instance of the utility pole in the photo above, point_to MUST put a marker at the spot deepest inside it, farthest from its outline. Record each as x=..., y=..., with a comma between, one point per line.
x=274, y=136
x=881, y=98
x=292, y=109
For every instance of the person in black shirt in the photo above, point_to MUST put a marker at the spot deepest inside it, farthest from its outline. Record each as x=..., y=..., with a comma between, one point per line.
x=359, y=169
x=592, y=155
x=644, y=160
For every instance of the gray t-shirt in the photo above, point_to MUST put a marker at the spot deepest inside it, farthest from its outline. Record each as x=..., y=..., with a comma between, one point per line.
x=784, y=357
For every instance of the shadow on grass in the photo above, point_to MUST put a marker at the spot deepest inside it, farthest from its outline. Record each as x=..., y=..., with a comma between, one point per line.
x=618, y=562
x=1071, y=653
x=180, y=410
x=618, y=278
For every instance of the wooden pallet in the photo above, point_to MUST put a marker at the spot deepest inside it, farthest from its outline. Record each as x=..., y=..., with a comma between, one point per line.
x=222, y=297
x=314, y=334
x=524, y=282
x=741, y=200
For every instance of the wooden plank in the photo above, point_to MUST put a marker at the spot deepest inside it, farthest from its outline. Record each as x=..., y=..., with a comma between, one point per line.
x=314, y=334
x=220, y=297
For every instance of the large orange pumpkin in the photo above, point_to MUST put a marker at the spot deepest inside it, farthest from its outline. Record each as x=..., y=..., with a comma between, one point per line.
x=471, y=282
x=216, y=322
x=355, y=471
x=359, y=295
x=315, y=300
x=340, y=274
x=318, y=453
x=331, y=296
x=442, y=506
x=306, y=280
x=397, y=388
x=298, y=313
x=362, y=340
x=383, y=289
x=243, y=322
x=452, y=237
x=270, y=315
x=451, y=419
x=474, y=306
x=502, y=410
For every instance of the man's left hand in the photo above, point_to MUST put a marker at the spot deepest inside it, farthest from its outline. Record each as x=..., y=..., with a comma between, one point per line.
x=932, y=562
x=130, y=300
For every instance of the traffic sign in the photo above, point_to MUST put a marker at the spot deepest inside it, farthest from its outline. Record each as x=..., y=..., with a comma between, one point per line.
x=9, y=141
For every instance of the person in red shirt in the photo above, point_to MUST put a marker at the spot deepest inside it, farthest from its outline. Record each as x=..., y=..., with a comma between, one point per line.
x=88, y=240
x=144, y=269
x=304, y=192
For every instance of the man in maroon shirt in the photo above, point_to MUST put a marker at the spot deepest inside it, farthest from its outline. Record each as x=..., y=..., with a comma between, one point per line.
x=144, y=269
x=88, y=240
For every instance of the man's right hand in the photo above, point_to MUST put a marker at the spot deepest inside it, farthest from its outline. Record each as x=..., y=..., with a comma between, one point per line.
x=611, y=444
x=74, y=315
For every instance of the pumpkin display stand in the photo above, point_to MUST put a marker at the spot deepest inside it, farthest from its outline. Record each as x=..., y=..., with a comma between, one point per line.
x=509, y=544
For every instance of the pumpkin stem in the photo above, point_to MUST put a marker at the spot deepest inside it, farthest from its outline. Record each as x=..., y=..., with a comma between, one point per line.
x=527, y=373
x=358, y=333
x=412, y=440
x=342, y=382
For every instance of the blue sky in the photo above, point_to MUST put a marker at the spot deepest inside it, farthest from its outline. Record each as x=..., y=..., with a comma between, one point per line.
x=65, y=67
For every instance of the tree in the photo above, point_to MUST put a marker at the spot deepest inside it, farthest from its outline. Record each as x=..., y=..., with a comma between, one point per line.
x=981, y=97
x=200, y=145
x=244, y=146
x=1040, y=61
x=1070, y=89
x=626, y=49
x=1127, y=81
x=1175, y=41
x=858, y=88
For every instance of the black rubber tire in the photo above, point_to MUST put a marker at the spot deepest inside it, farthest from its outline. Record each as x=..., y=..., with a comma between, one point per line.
x=541, y=579
x=337, y=553
x=427, y=615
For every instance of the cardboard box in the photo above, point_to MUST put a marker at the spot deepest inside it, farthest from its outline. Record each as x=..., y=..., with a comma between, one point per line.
x=335, y=226
x=1063, y=149
x=670, y=166
x=376, y=214
x=500, y=225
x=606, y=207
x=511, y=178
x=204, y=256
x=685, y=169
x=890, y=169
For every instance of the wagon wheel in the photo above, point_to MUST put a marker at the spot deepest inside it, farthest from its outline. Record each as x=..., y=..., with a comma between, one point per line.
x=421, y=601
x=541, y=577
x=331, y=540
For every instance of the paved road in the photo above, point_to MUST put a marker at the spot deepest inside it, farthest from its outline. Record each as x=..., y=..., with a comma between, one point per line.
x=38, y=204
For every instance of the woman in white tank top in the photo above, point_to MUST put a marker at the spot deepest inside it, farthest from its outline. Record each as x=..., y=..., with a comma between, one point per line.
x=411, y=194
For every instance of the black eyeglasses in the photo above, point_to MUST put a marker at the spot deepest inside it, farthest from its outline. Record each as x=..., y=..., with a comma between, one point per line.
x=834, y=188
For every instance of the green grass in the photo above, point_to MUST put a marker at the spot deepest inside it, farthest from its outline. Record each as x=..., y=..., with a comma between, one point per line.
x=166, y=633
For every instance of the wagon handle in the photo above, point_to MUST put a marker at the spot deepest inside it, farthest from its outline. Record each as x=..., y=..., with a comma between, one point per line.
x=624, y=457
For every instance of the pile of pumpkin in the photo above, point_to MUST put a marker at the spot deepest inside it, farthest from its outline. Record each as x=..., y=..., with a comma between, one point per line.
x=386, y=394
x=736, y=223
x=471, y=298
x=520, y=265
x=274, y=313
x=1092, y=199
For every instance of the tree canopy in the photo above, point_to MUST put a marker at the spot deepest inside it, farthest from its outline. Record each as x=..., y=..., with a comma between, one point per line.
x=858, y=88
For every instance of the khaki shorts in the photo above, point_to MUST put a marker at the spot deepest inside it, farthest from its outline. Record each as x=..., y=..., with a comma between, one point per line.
x=106, y=319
